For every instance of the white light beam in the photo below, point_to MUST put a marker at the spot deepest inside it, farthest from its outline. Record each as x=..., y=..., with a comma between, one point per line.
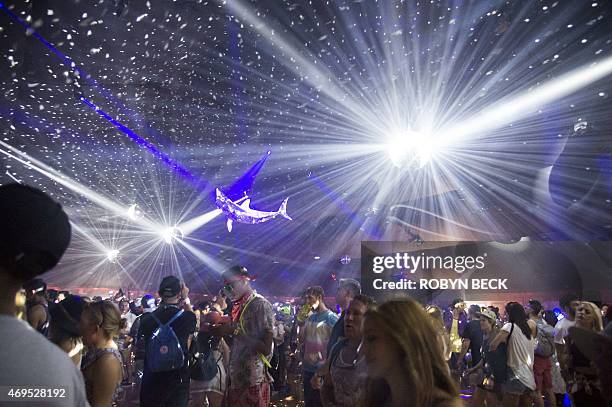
x=520, y=106
x=69, y=183
x=194, y=224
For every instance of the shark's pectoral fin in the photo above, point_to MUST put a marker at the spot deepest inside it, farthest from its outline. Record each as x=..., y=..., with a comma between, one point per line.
x=229, y=224
x=246, y=205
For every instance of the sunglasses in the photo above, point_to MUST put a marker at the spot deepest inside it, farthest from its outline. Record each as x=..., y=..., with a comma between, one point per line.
x=228, y=286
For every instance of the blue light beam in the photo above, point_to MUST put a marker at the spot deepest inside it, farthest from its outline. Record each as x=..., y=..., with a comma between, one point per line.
x=141, y=141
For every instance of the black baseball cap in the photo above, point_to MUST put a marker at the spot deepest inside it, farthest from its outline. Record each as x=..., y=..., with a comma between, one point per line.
x=235, y=271
x=34, y=230
x=170, y=286
x=36, y=285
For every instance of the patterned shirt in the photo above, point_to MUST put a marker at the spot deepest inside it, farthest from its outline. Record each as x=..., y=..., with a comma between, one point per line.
x=246, y=366
x=349, y=378
x=317, y=333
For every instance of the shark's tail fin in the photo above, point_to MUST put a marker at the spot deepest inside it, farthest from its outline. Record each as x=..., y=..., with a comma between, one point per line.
x=283, y=210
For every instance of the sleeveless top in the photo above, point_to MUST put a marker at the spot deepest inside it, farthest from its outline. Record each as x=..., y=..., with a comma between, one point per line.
x=44, y=327
x=90, y=358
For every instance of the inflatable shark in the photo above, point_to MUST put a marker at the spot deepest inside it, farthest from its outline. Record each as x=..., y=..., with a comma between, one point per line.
x=241, y=211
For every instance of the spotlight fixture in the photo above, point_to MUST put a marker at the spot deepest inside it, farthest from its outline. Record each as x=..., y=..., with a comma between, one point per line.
x=112, y=255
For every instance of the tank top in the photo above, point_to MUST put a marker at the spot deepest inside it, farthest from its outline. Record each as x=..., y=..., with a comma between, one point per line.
x=90, y=358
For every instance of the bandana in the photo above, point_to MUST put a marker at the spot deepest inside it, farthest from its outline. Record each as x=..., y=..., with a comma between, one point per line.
x=239, y=305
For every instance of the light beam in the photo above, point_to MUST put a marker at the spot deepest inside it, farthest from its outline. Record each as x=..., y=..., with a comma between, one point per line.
x=517, y=107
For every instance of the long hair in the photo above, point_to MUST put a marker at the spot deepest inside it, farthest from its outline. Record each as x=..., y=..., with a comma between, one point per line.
x=437, y=319
x=516, y=314
x=598, y=320
x=420, y=359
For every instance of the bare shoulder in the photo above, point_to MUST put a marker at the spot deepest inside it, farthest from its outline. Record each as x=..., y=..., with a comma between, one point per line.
x=103, y=365
x=38, y=310
x=107, y=366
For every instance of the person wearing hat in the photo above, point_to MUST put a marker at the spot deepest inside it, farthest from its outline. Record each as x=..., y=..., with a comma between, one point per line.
x=64, y=326
x=34, y=234
x=168, y=387
x=252, y=322
x=147, y=305
x=491, y=369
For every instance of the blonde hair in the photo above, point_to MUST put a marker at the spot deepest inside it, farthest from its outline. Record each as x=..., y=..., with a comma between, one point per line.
x=408, y=325
x=107, y=316
x=435, y=313
x=20, y=305
x=598, y=320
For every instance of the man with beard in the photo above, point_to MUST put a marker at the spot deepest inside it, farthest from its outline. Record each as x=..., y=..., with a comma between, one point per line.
x=252, y=321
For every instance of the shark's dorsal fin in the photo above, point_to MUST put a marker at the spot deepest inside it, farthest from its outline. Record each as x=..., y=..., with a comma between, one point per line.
x=246, y=204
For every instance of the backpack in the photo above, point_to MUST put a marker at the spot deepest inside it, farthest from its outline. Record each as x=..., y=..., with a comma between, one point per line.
x=203, y=366
x=164, y=351
x=496, y=363
x=545, y=343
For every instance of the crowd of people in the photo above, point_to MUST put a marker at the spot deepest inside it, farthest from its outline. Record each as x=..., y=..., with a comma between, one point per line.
x=239, y=349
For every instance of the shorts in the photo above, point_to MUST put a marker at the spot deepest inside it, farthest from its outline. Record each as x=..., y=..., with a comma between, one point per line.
x=542, y=373
x=254, y=396
x=513, y=385
x=216, y=385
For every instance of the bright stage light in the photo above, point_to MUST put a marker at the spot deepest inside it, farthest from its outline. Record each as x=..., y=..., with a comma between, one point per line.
x=172, y=233
x=112, y=255
x=406, y=146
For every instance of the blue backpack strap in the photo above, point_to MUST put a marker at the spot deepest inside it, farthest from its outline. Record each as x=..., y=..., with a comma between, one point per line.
x=174, y=317
x=155, y=318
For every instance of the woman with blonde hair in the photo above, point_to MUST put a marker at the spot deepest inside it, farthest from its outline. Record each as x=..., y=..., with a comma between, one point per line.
x=437, y=319
x=403, y=359
x=584, y=382
x=102, y=366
